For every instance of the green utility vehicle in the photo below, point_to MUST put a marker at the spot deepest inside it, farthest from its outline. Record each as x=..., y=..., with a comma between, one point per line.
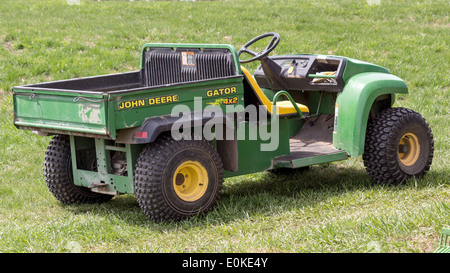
x=192, y=116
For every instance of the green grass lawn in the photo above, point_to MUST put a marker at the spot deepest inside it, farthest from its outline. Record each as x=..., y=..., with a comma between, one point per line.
x=328, y=208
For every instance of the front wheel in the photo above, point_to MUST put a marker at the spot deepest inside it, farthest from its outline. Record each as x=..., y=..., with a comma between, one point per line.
x=399, y=145
x=177, y=179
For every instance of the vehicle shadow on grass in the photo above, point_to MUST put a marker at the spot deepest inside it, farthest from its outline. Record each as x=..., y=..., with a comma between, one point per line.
x=255, y=195
x=266, y=193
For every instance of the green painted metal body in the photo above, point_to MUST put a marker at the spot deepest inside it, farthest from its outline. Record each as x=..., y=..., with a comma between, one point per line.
x=364, y=84
x=94, y=118
x=186, y=94
x=84, y=113
x=444, y=242
x=100, y=114
x=251, y=158
x=312, y=160
x=103, y=179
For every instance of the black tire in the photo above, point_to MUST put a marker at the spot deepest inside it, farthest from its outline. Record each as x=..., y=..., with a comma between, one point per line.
x=399, y=145
x=59, y=178
x=161, y=174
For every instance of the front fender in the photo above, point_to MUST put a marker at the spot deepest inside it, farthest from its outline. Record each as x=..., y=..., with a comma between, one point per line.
x=353, y=105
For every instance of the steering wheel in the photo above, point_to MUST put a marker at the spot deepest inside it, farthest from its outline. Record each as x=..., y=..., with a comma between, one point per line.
x=263, y=53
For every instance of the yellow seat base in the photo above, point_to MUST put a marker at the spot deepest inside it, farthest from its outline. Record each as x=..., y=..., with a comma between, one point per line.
x=285, y=107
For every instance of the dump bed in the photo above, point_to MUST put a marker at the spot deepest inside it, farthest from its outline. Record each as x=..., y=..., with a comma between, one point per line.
x=100, y=106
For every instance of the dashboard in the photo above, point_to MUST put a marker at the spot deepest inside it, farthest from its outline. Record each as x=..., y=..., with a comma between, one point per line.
x=301, y=72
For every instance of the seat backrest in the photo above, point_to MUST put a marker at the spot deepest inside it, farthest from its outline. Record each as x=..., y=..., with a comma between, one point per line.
x=258, y=92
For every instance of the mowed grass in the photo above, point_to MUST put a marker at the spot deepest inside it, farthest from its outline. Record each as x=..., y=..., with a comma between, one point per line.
x=328, y=208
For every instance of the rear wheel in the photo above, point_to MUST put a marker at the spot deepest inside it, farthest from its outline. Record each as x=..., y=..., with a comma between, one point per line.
x=399, y=145
x=177, y=179
x=59, y=178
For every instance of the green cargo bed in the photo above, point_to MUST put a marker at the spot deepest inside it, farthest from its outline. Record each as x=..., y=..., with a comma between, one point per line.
x=99, y=106
x=101, y=113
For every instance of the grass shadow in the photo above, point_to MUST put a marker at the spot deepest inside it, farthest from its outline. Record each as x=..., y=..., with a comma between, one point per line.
x=256, y=195
x=266, y=194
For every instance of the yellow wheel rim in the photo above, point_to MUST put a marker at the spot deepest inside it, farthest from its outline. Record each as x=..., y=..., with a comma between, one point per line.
x=190, y=181
x=408, y=149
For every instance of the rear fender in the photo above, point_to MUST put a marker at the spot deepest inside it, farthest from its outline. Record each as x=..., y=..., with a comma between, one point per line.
x=152, y=127
x=354, y=104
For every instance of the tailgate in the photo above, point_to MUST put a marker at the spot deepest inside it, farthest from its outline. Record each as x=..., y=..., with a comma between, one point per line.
x=60, y=112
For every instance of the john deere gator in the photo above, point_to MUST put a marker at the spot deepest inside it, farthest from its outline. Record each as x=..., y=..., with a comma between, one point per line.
x=193, y=115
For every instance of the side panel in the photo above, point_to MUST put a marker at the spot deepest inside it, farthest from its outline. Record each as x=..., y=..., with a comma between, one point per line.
x=354, y=104
x=131, y=109
x=255, y=145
